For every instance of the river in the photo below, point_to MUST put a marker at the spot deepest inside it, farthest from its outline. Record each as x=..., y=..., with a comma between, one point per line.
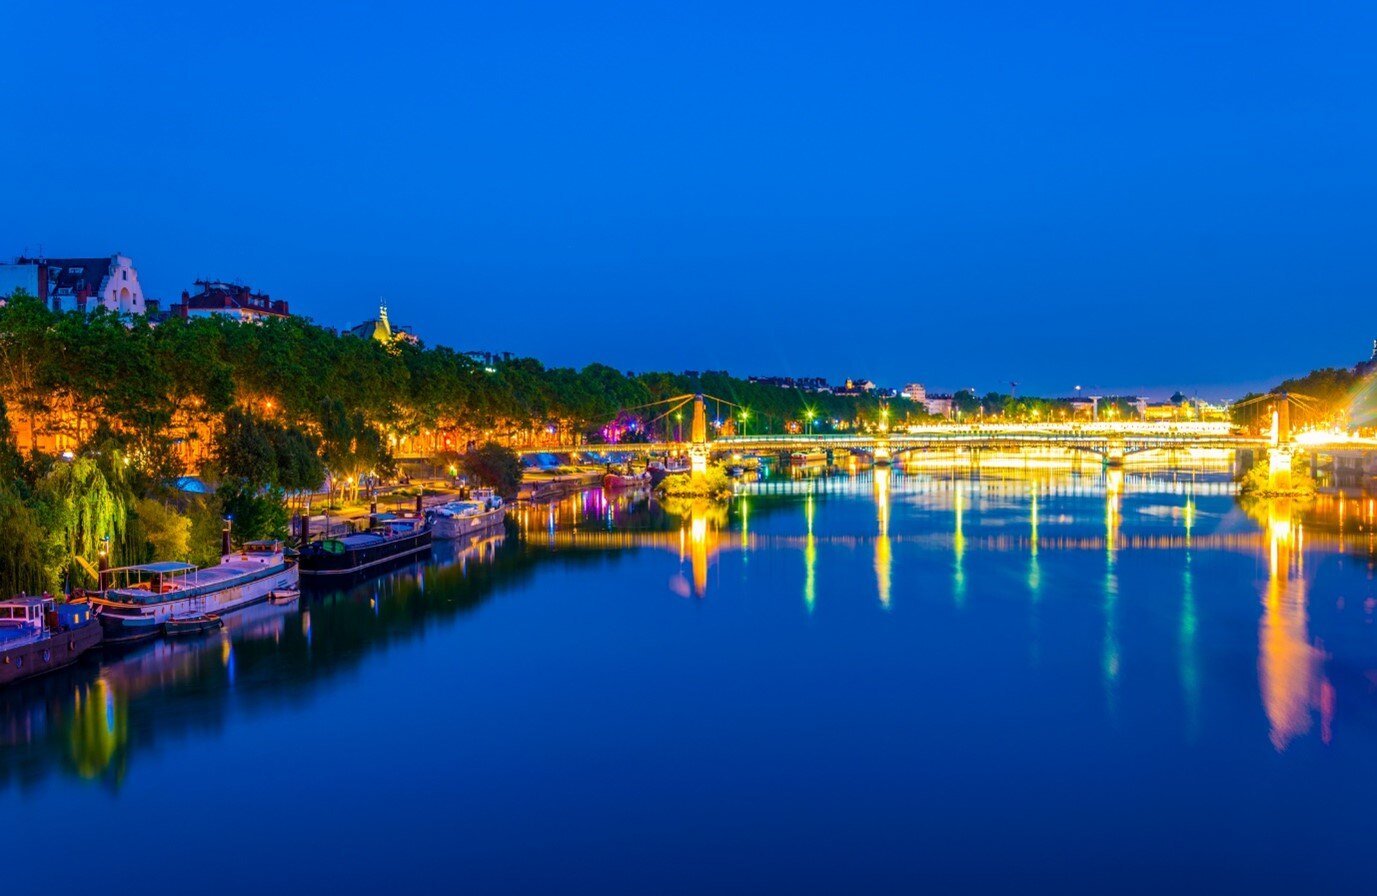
x=1049, y=680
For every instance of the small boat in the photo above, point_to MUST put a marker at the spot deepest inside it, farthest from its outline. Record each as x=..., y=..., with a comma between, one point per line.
x=284, y=596
x=38, y=635
x=192, y=624
x=391, y=539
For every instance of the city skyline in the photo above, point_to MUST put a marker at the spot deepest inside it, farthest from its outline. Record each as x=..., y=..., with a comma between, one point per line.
x=1109, y=198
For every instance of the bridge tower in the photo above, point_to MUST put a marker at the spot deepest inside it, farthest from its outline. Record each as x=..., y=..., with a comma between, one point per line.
x=1279, y=449
x=881, y=456
x=698, y=438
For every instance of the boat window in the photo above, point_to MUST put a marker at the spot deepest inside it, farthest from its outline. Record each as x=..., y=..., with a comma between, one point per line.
x=332, y=547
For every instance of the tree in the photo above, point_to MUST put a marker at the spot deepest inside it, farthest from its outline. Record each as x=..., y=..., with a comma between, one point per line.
x=495, y=466
x=81, y=514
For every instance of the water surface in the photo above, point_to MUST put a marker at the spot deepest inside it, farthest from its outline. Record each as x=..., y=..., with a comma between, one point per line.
x=1046, y=681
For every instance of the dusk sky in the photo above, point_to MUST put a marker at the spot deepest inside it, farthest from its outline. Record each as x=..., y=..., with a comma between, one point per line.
x=1124, y=196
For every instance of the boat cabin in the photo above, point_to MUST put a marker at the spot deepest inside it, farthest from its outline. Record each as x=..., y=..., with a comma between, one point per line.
x=24, y=615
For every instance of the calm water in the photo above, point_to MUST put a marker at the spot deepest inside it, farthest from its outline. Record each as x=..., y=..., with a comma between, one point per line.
x=1048, y=683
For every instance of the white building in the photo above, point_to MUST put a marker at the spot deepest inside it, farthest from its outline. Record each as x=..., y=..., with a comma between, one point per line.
x=916, y=393
x=938, y=405
x=76, y=284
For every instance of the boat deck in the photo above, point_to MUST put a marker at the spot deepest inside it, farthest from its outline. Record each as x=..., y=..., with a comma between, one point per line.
x=212, y=578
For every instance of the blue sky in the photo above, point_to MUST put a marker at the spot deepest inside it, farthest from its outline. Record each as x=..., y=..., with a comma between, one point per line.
x=1125, y=196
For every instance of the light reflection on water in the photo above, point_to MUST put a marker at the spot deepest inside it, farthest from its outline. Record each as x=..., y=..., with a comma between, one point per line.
x=1040, y=648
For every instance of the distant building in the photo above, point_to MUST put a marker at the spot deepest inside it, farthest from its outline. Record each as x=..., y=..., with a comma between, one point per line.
x=802, y=383
x=380, y=329
x=916, y=393
x=76, y=284
x=939, y=405
x=488, y=359
x=228, y=300
x=1081, y=407
x=854, y=388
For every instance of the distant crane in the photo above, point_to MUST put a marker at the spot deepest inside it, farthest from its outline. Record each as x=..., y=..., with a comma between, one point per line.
x=1013, y=389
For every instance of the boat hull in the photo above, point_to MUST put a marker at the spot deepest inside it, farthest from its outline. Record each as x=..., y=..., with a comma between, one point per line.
x=127, y=622
x=54, y=652
x=194, y=625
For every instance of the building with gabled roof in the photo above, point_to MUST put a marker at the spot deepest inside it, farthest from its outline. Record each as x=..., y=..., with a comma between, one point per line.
x=76, y=284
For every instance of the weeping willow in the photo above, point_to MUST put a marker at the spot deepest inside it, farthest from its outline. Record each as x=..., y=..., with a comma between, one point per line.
x=83, y=510
x=23, y=559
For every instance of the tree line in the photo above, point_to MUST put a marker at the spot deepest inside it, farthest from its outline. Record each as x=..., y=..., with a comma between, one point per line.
x=263, y=414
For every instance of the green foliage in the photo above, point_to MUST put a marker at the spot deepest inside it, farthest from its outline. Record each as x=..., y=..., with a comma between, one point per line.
x=712, y=484
x=78, y=510
x=254, y=514
x=1256, y=481
x=495, y=466
x=24, y=564
x=206, y=518
x=166, y=532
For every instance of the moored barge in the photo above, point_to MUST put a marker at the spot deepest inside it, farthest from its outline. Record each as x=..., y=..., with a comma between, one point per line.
x=38, y=635
x=458, y=519
x=392, y=539
x=144, y=597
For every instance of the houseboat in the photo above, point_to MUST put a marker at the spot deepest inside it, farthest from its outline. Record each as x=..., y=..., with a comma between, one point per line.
x=142, y=599
x=391, y=539
x=482, y=511
x=38, y=635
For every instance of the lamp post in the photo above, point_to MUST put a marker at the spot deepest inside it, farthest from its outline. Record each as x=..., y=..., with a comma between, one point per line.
x=808, y=415
x=678, y=426
x=745, y=415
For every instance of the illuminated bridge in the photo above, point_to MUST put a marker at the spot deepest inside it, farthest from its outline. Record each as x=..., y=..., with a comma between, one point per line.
x=1110, y=441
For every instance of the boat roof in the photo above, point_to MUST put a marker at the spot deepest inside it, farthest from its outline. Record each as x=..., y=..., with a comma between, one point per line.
x=358, y=539
x=209, y=577
x=162, y=566
x=24, y=600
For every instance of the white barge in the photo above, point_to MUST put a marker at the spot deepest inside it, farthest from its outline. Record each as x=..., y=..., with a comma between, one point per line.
x=141, y=599
x=462, y=518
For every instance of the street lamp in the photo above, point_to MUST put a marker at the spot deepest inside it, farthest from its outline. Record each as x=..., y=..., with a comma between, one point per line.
x=745, y=415
x=678, y=426
x=809, y=415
